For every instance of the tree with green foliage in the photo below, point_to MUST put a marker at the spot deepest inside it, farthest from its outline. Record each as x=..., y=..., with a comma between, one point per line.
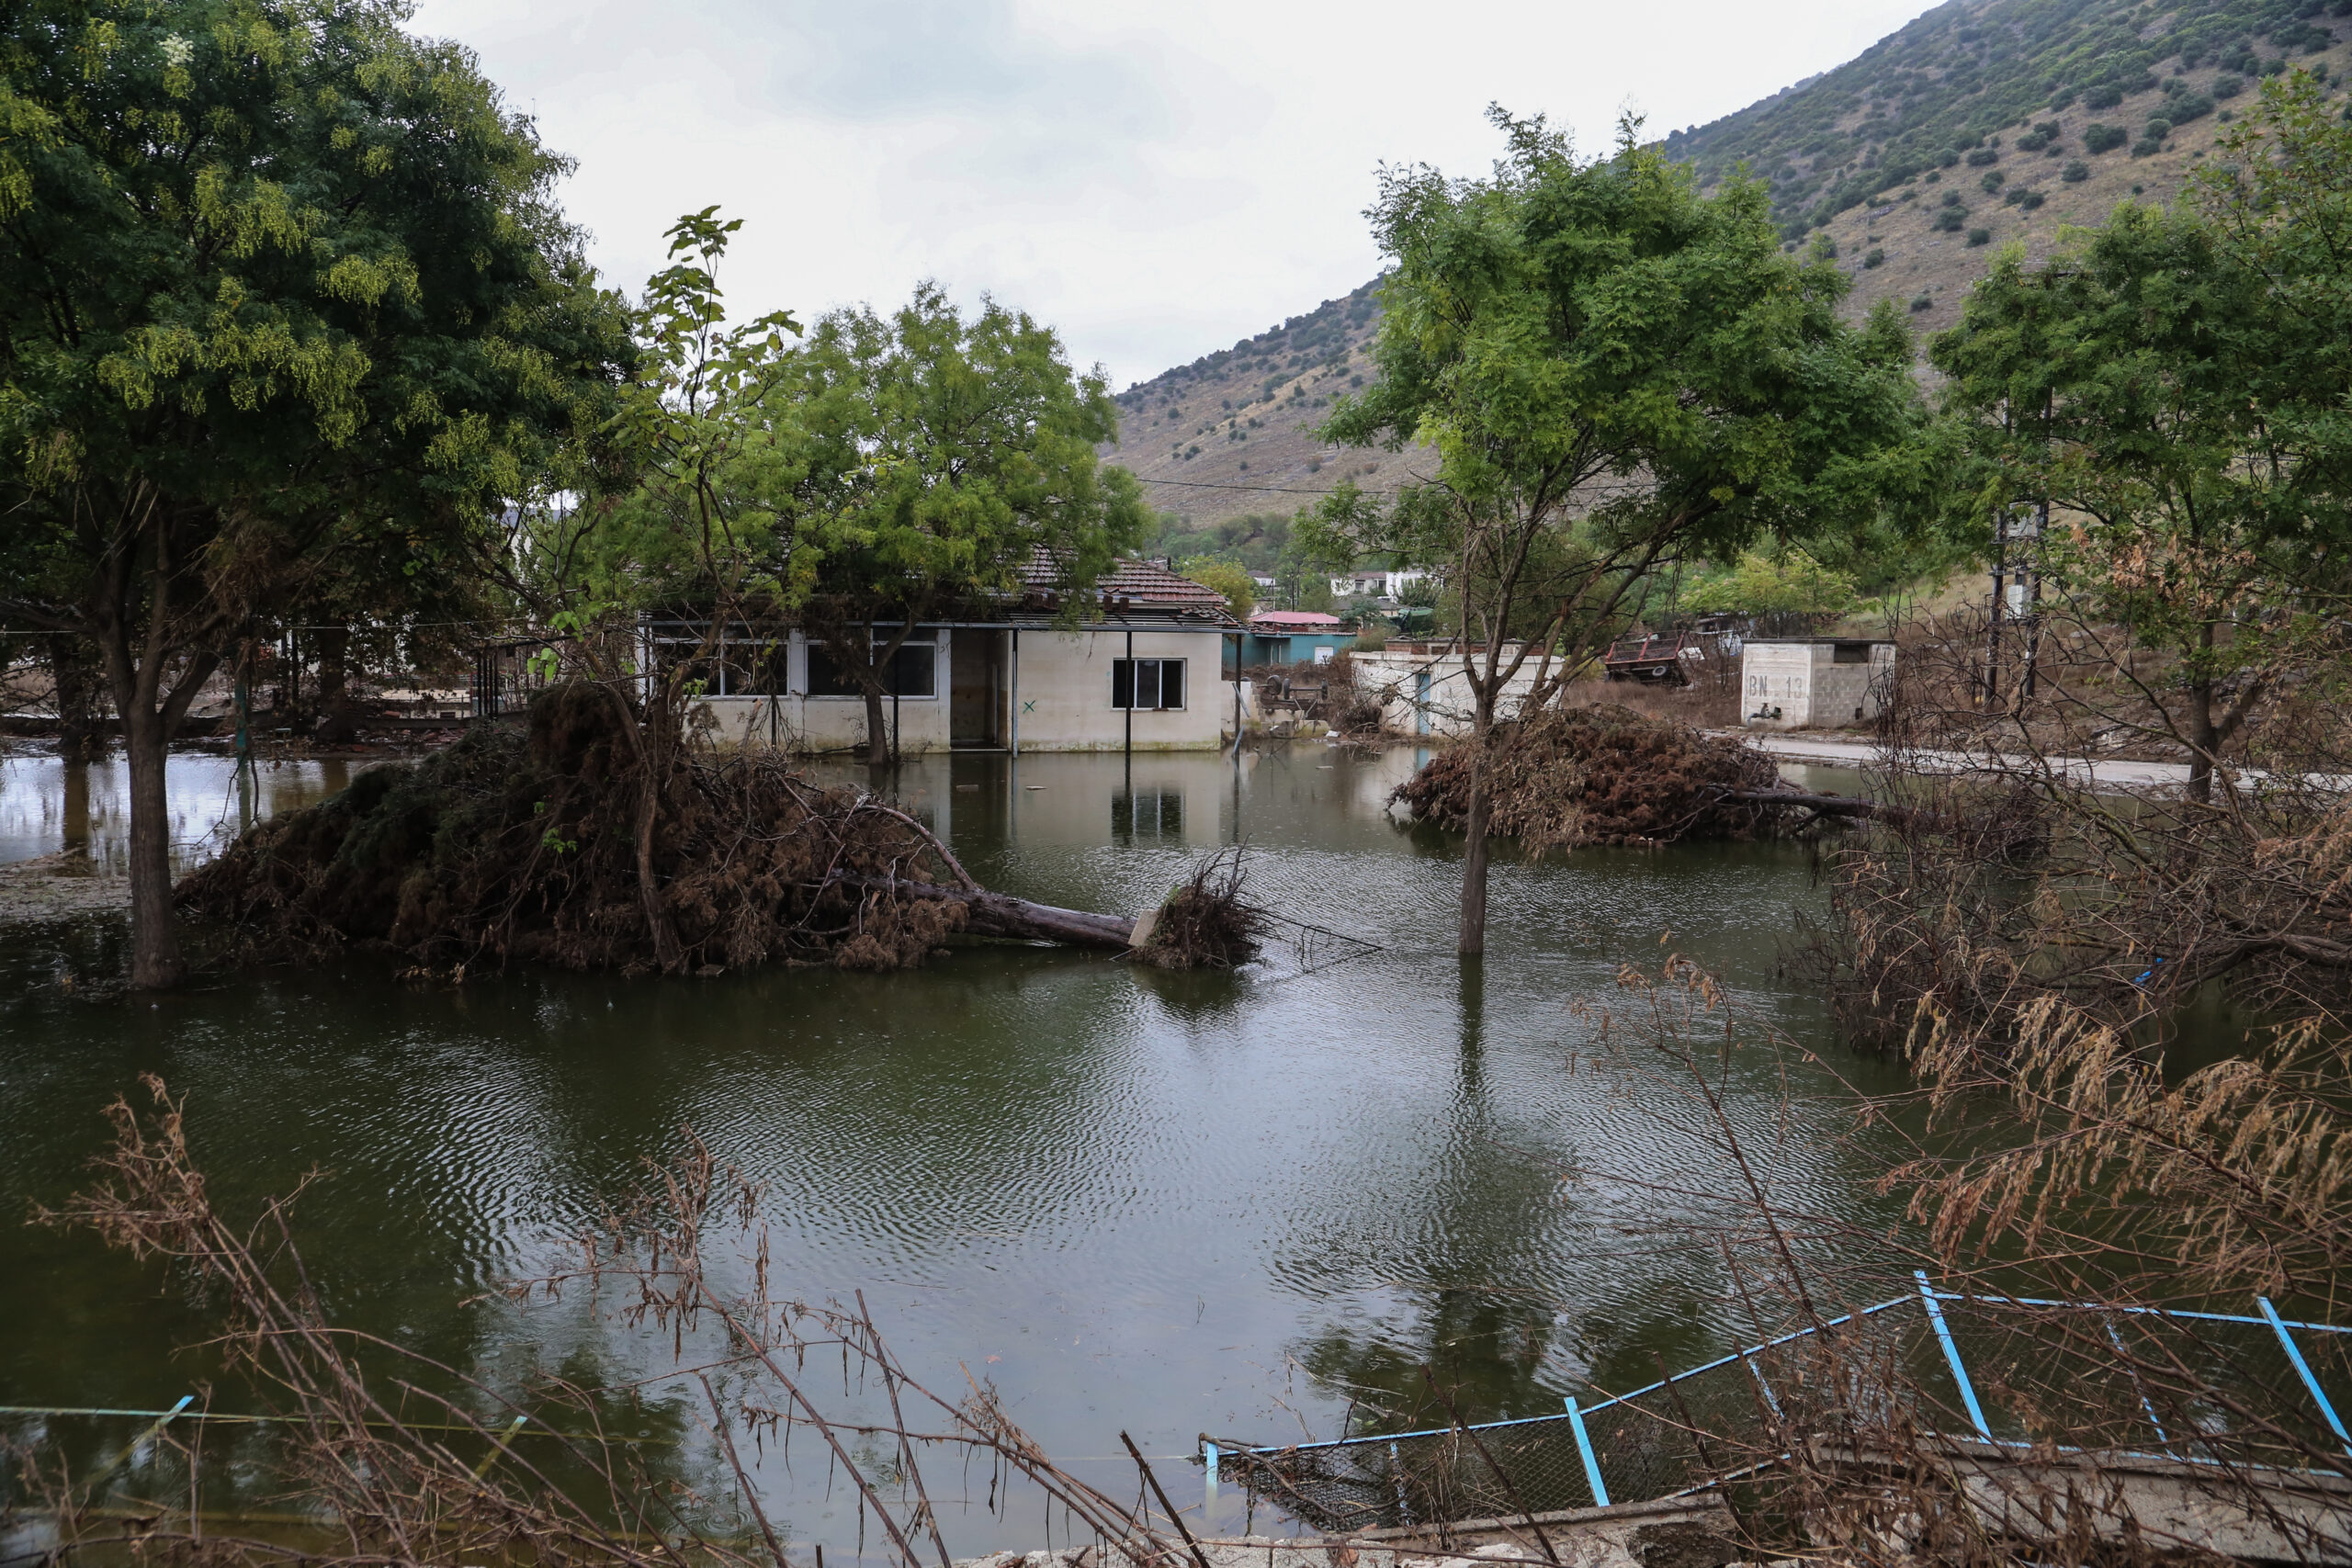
x=1228, y=578
x=1615, y=374
x=283, y=293
x=682, y=534
x=1782, y=582
x=2173, y=386
x=937, y=458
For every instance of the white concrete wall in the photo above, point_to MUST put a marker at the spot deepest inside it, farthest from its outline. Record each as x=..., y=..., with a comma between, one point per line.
x=1787, y=685
x=1061, y=689
x=798, y=722
x=1776, y=685
x=1447, y=707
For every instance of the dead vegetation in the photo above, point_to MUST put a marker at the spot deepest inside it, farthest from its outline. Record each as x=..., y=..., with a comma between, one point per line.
x=521, y=846
x=537, y=846
x=1570, y=777
x=1207, y=923
x=2019, y=883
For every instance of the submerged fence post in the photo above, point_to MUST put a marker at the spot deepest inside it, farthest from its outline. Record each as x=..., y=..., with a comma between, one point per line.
x=1759, y=1373
x=1951, y=1354
x=2303, y=1371
x=108, y=1469
x=1208, y=1464
x=1592, y=1463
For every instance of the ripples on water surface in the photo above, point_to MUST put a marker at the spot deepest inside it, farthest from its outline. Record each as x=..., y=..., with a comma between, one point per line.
x=1170, y=1203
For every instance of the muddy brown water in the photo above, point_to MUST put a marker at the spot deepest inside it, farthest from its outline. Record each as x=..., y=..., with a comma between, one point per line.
x=1239, y=1204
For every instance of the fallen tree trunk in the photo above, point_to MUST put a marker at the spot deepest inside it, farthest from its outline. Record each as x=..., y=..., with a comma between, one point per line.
x=1826, y=805
x=1002, y=914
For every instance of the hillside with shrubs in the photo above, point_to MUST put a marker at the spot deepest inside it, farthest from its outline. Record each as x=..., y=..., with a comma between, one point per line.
x=1990, y=122
x=1232, y=432
x=1981, y=124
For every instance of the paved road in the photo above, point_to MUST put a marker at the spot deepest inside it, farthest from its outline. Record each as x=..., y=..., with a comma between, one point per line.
x=2100, y=770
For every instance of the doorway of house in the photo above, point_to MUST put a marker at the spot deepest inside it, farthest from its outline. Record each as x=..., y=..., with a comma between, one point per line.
x=975, y=687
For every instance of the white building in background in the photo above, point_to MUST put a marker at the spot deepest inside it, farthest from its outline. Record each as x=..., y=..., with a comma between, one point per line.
x=1142, y=668
x=1813, y=683
x=1423, y=689
x=1370, y=582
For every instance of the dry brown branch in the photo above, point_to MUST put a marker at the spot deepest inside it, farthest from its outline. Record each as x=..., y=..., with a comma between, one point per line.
x=1207, y=923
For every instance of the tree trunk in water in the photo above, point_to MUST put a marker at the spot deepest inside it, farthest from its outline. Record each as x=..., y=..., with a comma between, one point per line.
x=667, y=951
x=658, y=929
x=2204, y=739
x=1473, y=849
x=1001, y=914
x=157, y=962
x=878, y=732
x=332, y=719
x=75, y=687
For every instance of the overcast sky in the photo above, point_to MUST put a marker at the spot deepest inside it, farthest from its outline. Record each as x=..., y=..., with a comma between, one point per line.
x=1153, y=180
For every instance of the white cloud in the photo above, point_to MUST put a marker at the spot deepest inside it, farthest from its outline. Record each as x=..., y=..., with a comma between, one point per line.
x=1155, y=181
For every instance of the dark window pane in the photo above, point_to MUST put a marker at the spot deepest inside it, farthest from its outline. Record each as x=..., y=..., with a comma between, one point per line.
x=767, y=666
x=1171, y=682
x=826, y=678
x=1123, y=682
x=914, y=671
x=1146, y=683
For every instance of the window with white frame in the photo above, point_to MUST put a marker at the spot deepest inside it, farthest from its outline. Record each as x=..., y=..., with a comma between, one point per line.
x=1146, y=683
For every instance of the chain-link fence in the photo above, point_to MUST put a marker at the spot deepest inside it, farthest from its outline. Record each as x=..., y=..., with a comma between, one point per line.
x=2201, y=1387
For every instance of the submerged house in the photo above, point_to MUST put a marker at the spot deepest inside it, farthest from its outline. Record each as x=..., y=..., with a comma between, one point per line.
x=1138, y=667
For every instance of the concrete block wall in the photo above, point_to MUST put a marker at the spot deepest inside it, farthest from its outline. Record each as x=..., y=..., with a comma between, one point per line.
x=1804, y=685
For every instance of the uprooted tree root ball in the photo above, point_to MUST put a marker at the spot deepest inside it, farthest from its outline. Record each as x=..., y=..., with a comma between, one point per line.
x=1206, y=923
x=515, y=845
x=1600, y=775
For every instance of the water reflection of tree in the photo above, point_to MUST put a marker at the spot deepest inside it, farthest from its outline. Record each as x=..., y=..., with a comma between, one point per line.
x=1513, y=1223
x=1487, y=1348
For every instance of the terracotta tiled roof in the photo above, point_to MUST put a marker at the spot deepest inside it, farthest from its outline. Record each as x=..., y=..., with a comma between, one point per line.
x=1145, y=583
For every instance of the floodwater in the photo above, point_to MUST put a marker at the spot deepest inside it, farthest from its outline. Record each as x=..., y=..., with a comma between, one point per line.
x=1237, y=1203
x=46, y=806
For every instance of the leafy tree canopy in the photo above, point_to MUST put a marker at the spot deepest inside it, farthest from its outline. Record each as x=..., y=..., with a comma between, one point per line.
x=282, y=295
x=886, y=470
x=1228, y=578
x=2173, y=386
x=1780, y=582
x=1602, y=354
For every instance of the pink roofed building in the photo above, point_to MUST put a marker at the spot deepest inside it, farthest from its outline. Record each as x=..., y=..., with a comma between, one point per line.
x=1293, y=637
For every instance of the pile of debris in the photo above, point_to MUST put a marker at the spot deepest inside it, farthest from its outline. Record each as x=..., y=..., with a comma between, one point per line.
x=542, y=846
x=1603, y=774
x=1206, y=923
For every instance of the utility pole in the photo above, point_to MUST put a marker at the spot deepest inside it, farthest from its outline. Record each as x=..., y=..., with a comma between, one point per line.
x=2000, y=602
x=2030, y=593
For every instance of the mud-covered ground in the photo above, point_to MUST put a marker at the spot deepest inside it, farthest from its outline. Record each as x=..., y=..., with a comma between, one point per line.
x=59, y=886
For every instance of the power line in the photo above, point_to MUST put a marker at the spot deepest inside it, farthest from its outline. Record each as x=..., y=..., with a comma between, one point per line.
x=1271, y=489
x=1603, y=491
